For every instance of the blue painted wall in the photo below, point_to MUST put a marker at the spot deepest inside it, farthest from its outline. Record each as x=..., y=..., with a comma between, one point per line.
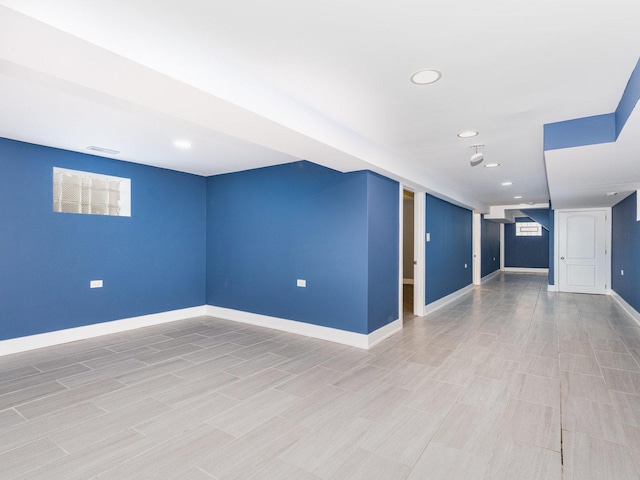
x=625, y=251
x=580, y=131
x=152, y=262
x=490, y=247
x=597, y=129
x=270, y=226
x=383, y=211
x=629, y=99
x=525, y=252
x=552, y=260
x=449, y=250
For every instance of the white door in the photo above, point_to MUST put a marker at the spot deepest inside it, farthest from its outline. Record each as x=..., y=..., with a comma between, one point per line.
x=582, y=251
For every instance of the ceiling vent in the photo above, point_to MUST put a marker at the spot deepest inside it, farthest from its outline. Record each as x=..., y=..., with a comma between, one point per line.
x=103, y=150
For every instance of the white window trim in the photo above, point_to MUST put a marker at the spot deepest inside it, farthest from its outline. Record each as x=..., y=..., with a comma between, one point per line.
x=124, y=190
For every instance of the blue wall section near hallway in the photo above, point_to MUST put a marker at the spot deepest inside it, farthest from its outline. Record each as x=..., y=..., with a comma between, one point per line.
x=552, y=227
x=151, y=262
x=490, y=247
x=625, y=251
x=383, y=235
x=270, y=226
x=449, y=250
x=525, y=252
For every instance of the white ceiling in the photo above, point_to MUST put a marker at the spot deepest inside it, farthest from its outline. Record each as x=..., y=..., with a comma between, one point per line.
x=253, y=83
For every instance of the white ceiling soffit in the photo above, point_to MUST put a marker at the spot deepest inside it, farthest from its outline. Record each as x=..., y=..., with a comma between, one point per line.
x=581, y=177
x=325, y=81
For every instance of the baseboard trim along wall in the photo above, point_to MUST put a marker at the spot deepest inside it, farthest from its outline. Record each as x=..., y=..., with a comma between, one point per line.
x=352, y=339
x=486, y=278
x=32, y=342
x=41, y=340
x=633, y=313
x=433, y=306
x=526, y=270
x=552, y=288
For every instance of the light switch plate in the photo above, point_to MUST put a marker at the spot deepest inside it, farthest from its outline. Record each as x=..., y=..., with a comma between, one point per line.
x=95, y=284
x=301, y=283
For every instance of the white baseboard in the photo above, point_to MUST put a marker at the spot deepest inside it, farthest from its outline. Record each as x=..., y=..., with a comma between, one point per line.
x=407, y=281
x=526, y=270
x=552, y=288
x=336, y=335
x=433, y=306
x=633, y=313
x=486, y=278
x=32, y=342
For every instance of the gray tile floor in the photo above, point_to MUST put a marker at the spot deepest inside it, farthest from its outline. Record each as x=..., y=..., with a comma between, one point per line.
x=511, y=382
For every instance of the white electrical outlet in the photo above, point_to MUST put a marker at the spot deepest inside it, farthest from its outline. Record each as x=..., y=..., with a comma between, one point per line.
x=301, y=283
x=95, y=284
x=622, y=272
x=428, y=237
x=465, y=265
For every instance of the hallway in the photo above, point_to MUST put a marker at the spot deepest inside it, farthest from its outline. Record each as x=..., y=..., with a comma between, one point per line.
x=511, y=382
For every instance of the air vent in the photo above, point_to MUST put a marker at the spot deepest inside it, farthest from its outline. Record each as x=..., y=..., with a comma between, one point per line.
x=103, y=150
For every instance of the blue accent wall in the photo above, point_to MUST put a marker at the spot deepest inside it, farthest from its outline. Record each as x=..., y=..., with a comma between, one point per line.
x=151, y=262
x=383, y=210
x=629, y=99
x=580, y=131
x=490, y=247
x=339, y=232
x=625, y=251
x=449, y=250
x=597, y=129
x=525, y=252
x=540, y=215
x=552, y=260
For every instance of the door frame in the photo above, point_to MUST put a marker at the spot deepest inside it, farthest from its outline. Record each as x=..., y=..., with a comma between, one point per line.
x=556, y=244
x=477, y=248
x=419, y=228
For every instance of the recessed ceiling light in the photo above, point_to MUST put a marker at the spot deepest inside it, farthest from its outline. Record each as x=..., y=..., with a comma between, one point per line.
x=467, y=134
x=611, y=194
x=182, y=144
x=518, y=196
x=506, y=184
x=491, y=165
x=103, y=150
x=426, y=76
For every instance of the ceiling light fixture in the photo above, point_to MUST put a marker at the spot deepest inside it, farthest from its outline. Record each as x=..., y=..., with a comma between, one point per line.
x=467, y=134
x=103, y=150
x=518, y=196
x=506, y=184
x=182, y=144
x=611, y=194
x=426, y=76
x=478, y=157
x=492, y=165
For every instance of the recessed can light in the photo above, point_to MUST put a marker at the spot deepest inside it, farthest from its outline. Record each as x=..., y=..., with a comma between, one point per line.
x=467, y=134
x=518, y=196
x=491, y=165
x=182, y=144
x=426, y=76
x=506, y=184
x=611, y=194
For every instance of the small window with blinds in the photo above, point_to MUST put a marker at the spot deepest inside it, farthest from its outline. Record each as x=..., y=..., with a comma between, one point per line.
x=528, y=229
x=90, y=193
